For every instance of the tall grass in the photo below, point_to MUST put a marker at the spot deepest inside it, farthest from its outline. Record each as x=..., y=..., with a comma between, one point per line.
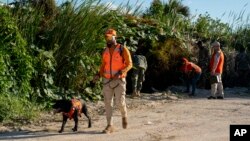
x=17, y=109
x=65, y=43
x=76, y=37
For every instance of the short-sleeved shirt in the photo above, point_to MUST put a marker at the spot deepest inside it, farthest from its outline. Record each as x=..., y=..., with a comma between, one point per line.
x=189, y=66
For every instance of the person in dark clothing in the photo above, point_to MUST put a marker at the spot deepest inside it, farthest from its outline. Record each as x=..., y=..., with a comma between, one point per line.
x=138, y=74
x=203, y=62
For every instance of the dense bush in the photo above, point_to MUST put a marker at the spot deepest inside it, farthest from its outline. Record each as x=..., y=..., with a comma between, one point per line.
x=15, y=72
x=16, y=65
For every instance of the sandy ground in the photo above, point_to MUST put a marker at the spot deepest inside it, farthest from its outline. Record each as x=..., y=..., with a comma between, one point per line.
x=161, y=116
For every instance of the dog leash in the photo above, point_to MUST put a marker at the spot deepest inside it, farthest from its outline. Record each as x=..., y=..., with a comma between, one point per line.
x=111, y=79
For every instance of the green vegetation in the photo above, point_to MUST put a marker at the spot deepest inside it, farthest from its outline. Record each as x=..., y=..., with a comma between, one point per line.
x=49, y=52
x=17, y=109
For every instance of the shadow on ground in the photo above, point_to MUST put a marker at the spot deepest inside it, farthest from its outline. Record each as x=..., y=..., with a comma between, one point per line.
x=14, y=135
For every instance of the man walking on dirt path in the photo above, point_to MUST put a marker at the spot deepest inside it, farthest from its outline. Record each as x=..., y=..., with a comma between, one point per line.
x=138, y=74
x=192, y=74
x=216, y=69
x=116, y=62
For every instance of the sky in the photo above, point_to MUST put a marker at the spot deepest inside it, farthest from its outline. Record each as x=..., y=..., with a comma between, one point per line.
x=221, y=9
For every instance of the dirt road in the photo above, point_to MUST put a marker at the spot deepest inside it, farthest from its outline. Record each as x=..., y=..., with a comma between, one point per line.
x=154, y=117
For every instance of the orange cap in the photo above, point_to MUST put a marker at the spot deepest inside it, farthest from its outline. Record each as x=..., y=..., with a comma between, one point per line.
x=110, y=32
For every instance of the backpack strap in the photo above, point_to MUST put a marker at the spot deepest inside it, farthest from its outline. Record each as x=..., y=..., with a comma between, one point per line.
x=121, y=49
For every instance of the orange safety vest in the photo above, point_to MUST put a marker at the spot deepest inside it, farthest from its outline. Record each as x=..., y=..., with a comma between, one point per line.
x=219, y=68
x=76, y=105
x=113, y=62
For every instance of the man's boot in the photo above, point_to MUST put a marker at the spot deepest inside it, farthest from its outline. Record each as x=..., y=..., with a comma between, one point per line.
x=138, y=93
x=124, y=122
x=134, y=94
x=109, y=129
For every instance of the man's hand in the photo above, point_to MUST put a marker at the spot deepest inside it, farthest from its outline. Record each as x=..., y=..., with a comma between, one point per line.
x=96, y=78
x=213, y=72
x=118, y=74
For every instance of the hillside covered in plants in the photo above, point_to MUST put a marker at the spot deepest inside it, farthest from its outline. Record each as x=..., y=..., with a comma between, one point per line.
x=50, y=51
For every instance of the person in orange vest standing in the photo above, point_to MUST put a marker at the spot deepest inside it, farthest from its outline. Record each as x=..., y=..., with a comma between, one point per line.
x=216, y=69
x=116, y=62
x=192, y=73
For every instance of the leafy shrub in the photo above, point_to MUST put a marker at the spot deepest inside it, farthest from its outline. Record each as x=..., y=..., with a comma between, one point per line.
x=17, y=109
x=16, y=65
